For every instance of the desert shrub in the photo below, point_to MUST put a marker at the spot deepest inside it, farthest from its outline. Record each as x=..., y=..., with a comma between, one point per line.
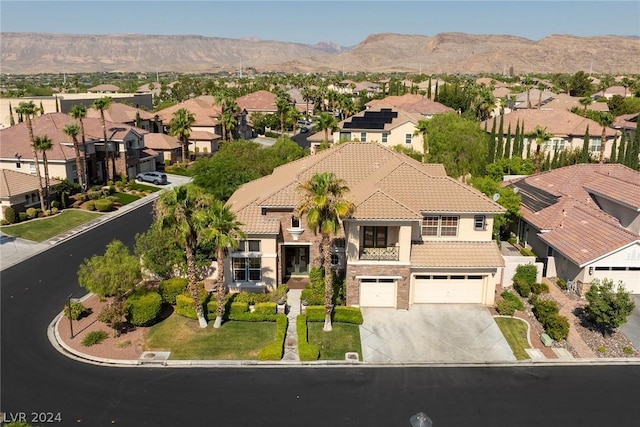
x=78, y=310
x=95, y=195
x=521, y=286
x=275, y=350
x=184, y=307
x=505, y=307
x=539, y=288
x=266, y=308
x=10, y=215
x=347, y=315
x=104, y=205
x=315, y=313
x=526, y=252
x=109, y=183
x=543, y=308
x=557, y=326
x=510, y=296
x=562, y=284
x=306, y=351
x=54, y=210
x=528, y=272
x=143, y=307
x=93, y=338
x=113, y=315
x=171, y=288
x=22, y=216
x=32, y=213
x=90, y=205
x=55, y=204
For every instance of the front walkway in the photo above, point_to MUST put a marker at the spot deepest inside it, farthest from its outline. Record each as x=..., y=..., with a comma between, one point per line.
x=291, y=340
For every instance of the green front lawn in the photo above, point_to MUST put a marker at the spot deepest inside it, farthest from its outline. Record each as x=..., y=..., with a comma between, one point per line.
x=42, y=229
x=515, y=332
x=125, y=199
x=333, y=345
x=185, y=339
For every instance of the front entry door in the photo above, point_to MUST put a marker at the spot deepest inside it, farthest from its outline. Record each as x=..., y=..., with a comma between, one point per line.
x=297, y=260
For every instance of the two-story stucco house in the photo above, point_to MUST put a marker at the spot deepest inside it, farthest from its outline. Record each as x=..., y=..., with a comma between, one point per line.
x=416, y=235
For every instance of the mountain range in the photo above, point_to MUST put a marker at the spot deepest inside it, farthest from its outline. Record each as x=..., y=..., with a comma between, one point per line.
x=31, y=53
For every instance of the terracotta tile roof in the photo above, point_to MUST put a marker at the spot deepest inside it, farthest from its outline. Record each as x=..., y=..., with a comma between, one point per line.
x=610, y=187
x=13, y=183
x=204, y=113
x=564, y=101
x=104, y=88
x=386, y=184
x=557, y=122
x=201, y=135
x=120, y=113
x=410, y=103
x=626, y=121
x=456, y=254
x=258, y=101
x=148, y=152
x=253, y=222
x=161, y=141
x=15, y=139
x=373, y=114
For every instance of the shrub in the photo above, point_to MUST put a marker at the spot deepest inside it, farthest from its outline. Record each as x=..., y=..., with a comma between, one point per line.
x=10, y=215
x=4, y=222
x=557, y=326
x=306, y=351
x=312, y=296
x=143, y=307
x=54, y=210
x=32, y=213
x=202, y=293
x=91, y=205
x=275, y=350
x=521, y=286
x=104, y=205
x=544, y=308
x=253, y=317
x=539, y=288
x=184, y=307
x=22, y=216
x=55, y=204
x=171, y=288
x=526, y=252
x=528, y=272
x=347, y=315
x=237, y=308
x=627, y=350
x=279, y=294
x=512, y=240
x=315, y=313
x=505, y=307
x=78, y=310
x=266, y=308
x=93, y=338
x=510, y=296
x=562, y=284
x=95, y=195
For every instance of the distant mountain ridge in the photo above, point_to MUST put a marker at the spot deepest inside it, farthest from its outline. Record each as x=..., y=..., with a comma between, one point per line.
x=30, y=53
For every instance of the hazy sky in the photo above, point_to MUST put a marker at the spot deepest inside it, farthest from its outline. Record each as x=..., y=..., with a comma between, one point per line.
x=344, y=22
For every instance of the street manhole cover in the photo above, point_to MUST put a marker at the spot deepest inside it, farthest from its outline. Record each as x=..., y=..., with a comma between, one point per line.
x=149, y=355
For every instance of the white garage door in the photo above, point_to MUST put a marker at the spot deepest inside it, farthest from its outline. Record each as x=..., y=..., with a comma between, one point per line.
x=377, y=293
x=630, y=276
x=447, y=289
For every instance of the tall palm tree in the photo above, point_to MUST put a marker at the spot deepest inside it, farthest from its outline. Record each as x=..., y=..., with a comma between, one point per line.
x=225, y=233
x=541, y=136
x=79, y=112
x=326, y=122
x=423, y=129
x=72, y=130
x=28, y=110
x=604, y=120
x=102, y=104
x=585, y=101
x=180, y=127
x=184, y=210
x=44, y=144
x=283, y=104
x=323, y=202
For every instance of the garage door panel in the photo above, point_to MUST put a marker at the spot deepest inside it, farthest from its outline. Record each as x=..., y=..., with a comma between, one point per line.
x=374, y=294
x=436, y=289
x=630, y=278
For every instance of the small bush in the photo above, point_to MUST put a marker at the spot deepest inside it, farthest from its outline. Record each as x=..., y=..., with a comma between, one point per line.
x=315, y=313
x=10, y=215
x=95, y=195
x=627, y=350
x=543, y=309
x=143, y=307
x=32, y=213
x=510, y=296
x=54, y=210
x=104, y=205
x=90, y=205
x=306, y=351
x=602, y=350
x=347, y=315
x=93, y=338
x=253, y=317
x=4, y=222
x=22, y=216
x=78, y=310
x=526, y=252
x=266, y=308
x=171, y=288
x=557, y=326
x=505, y=307
x=203, y=294
x=512, y=240
x=539, y=288
x=521, y=286
x=528, y=272
x=55, y=204
x=279, y=294
x=237, y=308
x=275, y=350
x=184, y=307
x=562, y=284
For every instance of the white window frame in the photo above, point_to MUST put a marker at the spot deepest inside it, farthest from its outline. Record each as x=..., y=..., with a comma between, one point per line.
x=408, y=139
x=246, y=269
x=479, y=222
x=385, y=137
x=363, y=137
x=442, y=227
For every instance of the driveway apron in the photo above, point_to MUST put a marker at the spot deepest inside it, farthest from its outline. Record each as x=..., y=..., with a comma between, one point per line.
x=631, y=329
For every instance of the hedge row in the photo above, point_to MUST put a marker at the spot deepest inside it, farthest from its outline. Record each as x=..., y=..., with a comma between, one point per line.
x=184, y=307
x=240, y=311
x=306, y=351
x=316, y=313
x=275, y=350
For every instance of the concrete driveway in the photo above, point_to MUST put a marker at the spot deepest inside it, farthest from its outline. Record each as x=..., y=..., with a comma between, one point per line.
x=631, y=329
x=442, y=333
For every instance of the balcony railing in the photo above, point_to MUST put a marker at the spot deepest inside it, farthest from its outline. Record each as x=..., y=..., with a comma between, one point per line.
x=390, y=253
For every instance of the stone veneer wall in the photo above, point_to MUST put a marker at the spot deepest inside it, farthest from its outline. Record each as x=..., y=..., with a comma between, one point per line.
x=353, y=284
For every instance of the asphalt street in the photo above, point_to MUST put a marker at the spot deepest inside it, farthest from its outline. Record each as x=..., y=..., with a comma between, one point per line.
x=36, y=378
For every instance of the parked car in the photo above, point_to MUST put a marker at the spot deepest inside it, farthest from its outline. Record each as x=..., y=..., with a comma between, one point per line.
x=304, y=130
x=155, y=177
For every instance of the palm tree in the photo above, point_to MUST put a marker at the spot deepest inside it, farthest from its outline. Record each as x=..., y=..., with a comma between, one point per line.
x=43, y=144
x=323, y=202
x=283, y=104
x=27, y=110
x=585, y=102
x=541, y=88
x=102, y=104
x=184, y=210
x=72, y=130
x=225, y=233
x=326, y=122
x=423, y=129
x=79, y=112
x=604, y=120
x=541, y=136
x=180, y=127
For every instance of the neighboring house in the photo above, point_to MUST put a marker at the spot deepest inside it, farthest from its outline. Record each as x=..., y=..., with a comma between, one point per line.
x=387, y=126
x=260, y=101
x=206, y=115
x=583, y=221
x=168, y=147
x=19, y=190
x=412, y=104
x=104, y=88
x=536, y=98
x=203, y=142
x=123, y=140
x=123, y=113
x=139, y=100
x=567, y=129
x=564, y=101
x=416, y=236
x=613, y=90
x=627, y=123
